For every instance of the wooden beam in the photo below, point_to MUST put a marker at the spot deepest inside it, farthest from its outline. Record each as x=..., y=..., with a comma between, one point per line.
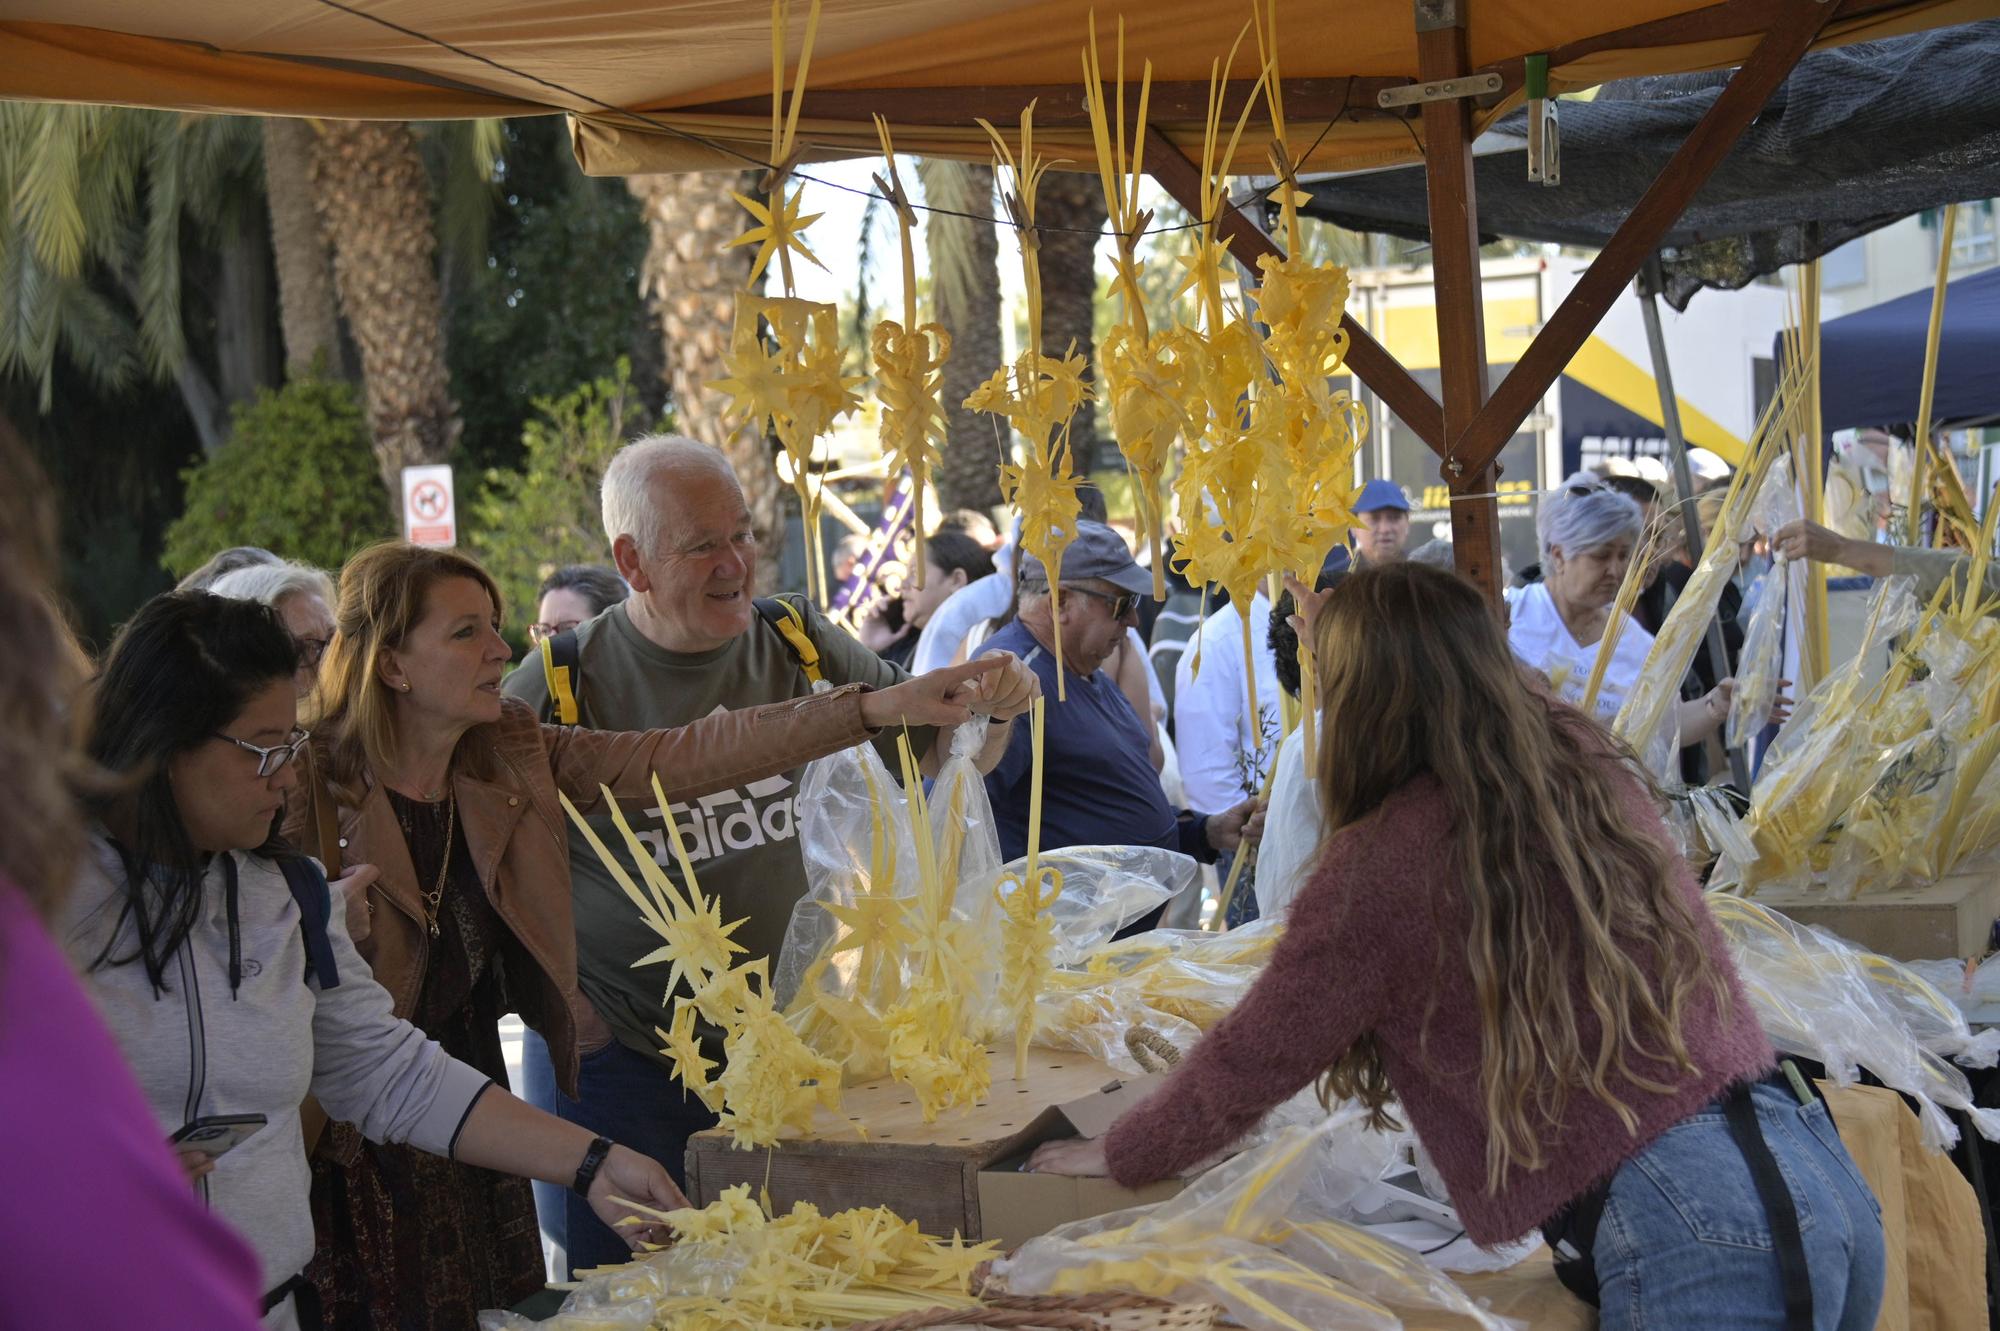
x=1720, y=22
x=1307, y=101
x=1639, y=235
x=1459, y=298
x=1369, y=359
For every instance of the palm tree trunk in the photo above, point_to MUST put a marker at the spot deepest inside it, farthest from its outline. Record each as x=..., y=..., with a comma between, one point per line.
x=306, y=307
x=690, y=281
x=1071, y=205
x=965, y=292
x=245, y=341
x=374, y=200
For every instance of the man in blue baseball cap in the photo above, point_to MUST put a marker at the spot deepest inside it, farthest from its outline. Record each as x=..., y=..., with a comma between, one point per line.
x=1381, y=531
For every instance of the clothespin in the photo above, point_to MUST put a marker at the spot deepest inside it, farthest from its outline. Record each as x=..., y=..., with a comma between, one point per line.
x=1544, y=137
x=774, y=179
x=1030, y=238
x=892, y=190
x=1282, y=167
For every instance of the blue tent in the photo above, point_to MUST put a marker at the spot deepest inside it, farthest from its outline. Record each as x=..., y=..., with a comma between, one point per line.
x=1872, y=361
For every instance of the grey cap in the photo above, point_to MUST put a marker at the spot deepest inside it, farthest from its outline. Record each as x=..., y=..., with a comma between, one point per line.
x=1096, y=552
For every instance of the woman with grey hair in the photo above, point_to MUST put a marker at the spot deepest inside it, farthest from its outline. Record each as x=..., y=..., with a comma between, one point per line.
x=303, y=597
x=1588, y=533
x=225, y=561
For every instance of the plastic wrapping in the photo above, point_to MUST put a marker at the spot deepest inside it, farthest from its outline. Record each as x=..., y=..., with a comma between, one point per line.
x=1827, y=1000
x=893, y=959
x=631, y=1317
x=1166, y=987
x=1762, y=660
x=1824, y=759
x=1259, y=1235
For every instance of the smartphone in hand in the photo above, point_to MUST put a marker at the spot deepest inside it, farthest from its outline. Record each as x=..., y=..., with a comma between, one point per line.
x=217, y=1134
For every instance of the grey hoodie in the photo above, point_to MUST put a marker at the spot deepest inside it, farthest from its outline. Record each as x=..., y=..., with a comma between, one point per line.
x=199, y=1050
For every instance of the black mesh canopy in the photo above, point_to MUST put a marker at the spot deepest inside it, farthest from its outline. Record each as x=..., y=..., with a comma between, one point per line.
x=1856, y=138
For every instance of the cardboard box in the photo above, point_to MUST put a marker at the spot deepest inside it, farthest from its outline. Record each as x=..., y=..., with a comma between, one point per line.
x=1949, y=918
x=942, y=1175
x=1015, y=1206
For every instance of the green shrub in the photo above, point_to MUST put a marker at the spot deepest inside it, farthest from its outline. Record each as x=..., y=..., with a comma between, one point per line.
x=527, y=523
x=296, y=475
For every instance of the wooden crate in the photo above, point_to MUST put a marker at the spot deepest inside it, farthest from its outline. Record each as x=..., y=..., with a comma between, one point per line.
x=1950, y=918
x=926, y=1172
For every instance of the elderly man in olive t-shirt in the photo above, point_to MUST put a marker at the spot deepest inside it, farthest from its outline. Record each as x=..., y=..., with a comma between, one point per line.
x=687, y=643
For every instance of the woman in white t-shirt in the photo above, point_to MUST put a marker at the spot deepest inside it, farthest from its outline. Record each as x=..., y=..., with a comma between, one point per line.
x=1588, y=533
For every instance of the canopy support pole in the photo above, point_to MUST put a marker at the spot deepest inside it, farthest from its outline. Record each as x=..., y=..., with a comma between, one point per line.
x=1460, y=298
x=1791, y=33
x=1368, y=359
x=1670, y=417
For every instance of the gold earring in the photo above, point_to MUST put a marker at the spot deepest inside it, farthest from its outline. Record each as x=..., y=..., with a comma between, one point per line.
x=406, y=688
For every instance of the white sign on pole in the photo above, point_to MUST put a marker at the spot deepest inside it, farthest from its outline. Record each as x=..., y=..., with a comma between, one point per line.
x=429, y=513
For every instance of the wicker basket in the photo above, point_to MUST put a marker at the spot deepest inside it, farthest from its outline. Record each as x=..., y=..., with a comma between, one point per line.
x=1060, y=1312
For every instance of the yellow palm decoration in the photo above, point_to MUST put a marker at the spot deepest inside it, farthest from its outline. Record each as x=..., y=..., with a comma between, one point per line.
x=1038, y=394
x=794, y=386
x=771, y=1082
x=909, y=365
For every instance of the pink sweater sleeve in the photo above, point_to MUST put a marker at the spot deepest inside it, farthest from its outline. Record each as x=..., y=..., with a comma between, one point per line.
x=1319, y=994
x=101, y=1227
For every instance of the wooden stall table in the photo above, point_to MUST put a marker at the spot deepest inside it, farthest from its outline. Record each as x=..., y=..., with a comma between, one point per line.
x=926, y=1172
x=930, y=1173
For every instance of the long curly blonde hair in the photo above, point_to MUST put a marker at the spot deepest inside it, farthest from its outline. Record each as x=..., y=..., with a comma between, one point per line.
x=1563, y=891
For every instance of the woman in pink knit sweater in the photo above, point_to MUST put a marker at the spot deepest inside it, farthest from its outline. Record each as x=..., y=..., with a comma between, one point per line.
x=1501, y=939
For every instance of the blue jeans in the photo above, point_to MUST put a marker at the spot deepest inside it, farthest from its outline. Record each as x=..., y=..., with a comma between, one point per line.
x=538, y=1088
x=1684, y=1240
x=631, y=1099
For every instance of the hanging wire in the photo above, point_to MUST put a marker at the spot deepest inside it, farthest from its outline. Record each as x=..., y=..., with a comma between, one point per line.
x=752, y=161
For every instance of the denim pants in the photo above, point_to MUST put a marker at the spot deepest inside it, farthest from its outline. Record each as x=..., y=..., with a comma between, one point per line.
x=1684, y=1240
x=629, y=1098
x=538, y=1088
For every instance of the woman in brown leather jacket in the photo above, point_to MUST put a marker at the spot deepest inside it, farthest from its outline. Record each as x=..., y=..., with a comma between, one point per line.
x=422, y=769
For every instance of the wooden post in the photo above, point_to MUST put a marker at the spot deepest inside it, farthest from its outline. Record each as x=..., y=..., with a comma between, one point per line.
x=1461, y=307
x=1789, y=36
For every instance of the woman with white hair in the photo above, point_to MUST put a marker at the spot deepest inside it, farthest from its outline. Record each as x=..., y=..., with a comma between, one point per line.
x=1589, y=533
x=303, y=597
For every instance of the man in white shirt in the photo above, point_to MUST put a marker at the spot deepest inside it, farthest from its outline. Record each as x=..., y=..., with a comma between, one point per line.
x=1226, y=752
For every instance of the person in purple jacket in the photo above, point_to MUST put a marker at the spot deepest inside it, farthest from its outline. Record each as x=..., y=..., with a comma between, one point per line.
x=1501, y=938
x=101, y=1227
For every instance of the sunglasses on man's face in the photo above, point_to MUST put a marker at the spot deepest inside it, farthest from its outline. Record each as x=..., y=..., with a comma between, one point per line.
x=1121, y=605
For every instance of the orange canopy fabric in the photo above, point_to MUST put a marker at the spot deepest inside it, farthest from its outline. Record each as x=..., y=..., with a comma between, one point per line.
x=637, y=74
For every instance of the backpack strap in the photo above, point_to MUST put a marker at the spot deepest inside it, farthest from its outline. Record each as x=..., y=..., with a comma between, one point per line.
x=315, y=898
x=783, y=614
x=562, y=668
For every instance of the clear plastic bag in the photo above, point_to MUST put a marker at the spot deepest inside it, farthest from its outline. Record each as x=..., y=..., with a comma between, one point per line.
x=1130, y=997
x=856, y=839
x=1762, y=661
x=1824, y=999
x=1259, y=1235
x=630, y=1317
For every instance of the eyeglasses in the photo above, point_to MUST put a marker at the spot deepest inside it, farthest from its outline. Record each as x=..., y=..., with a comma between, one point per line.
x=1121, y=605
x=271, y=759
x=538, y=631
x=311, y=651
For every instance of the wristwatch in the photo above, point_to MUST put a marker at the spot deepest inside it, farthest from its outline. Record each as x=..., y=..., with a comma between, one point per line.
x=593, y=1159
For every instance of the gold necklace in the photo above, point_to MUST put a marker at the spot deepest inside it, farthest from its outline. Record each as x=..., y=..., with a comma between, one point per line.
x=434, y=898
